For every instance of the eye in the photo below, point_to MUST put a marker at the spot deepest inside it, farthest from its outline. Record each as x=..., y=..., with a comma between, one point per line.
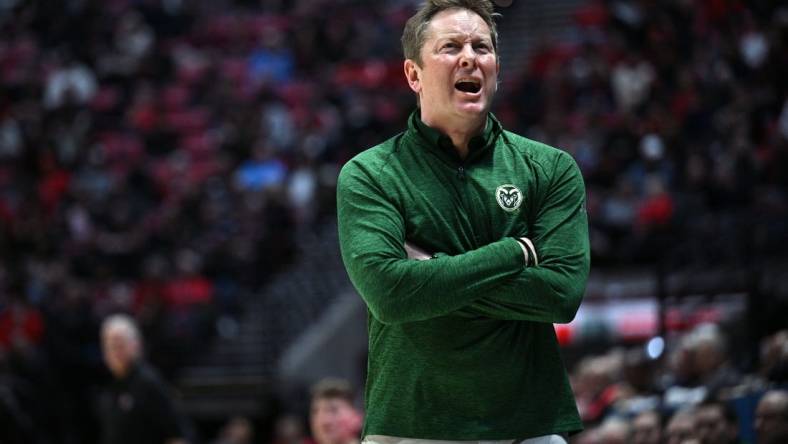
x=482, y=47
x=449, y=45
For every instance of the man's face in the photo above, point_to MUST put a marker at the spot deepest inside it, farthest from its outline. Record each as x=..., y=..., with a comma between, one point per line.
x=120, y=350
x=646, y=429
x=771, y=419
x=334, y=421
x=459, y=71
x=680, y=429
x=711, y=426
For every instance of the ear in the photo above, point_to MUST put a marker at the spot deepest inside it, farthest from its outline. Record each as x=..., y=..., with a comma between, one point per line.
x=413, y=75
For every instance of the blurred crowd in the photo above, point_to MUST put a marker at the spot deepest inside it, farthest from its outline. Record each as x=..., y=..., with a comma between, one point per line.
x=159, y=157
x=695, y=393
x=677, y=113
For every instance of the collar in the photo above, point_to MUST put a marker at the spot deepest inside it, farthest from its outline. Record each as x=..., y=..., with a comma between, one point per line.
x=442, y=144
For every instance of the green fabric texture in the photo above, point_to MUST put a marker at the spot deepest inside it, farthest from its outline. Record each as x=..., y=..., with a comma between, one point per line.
x=461, y=346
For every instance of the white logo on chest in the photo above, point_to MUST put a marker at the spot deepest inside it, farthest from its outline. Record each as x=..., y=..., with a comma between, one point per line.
x=508, y=197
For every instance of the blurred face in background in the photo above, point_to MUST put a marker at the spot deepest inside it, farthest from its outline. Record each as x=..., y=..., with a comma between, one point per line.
x=712, y=427
x=334, y=421
x=121, y=348
x=771, y=418
x=681, y=429
x=646, y=429
x=458, y=75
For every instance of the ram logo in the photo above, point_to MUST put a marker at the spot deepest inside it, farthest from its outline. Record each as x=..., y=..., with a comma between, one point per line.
x=509, y=197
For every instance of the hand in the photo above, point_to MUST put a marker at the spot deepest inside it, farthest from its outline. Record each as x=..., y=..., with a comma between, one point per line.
x=415, y=252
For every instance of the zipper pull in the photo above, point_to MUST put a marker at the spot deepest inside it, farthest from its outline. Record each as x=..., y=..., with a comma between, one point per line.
x=461, y=173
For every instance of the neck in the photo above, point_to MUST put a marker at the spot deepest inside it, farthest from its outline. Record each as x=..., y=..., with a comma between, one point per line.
x=460, y=133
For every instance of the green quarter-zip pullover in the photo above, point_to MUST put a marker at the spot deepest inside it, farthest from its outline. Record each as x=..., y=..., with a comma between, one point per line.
x=461, y=346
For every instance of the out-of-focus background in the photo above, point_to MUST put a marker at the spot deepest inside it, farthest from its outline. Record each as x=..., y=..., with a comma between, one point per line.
x=176, y=160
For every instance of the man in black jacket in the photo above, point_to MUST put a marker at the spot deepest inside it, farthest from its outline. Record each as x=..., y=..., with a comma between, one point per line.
x=139, y=408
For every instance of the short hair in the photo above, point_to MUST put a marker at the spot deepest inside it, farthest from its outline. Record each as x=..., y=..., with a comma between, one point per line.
x=414, y=34
x=781, y=396
x=728, y=412
x=662, y=419
x=332, y=388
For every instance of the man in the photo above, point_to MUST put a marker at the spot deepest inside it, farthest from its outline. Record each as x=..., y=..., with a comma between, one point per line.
x=771, y=418
x=716, y=423
x=466, y=242
x=647, y=428
x=615, y=431
x=681, y=428
x=139, y=410
x=333, y=418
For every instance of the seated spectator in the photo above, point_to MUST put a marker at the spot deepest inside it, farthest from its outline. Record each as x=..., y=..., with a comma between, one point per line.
x=333, y=417
x=647, y=428
x=681, y=428
x=774, y=357
x=711, y=359
x=615, y=431
x=238, y=430
x=701, y=367
x=771, y=418
x=289, y=429
x=716, y=423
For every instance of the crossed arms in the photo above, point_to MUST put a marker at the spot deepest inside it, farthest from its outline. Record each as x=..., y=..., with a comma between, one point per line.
x=490, y=281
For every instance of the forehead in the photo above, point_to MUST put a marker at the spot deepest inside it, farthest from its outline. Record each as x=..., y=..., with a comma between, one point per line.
x=773, y=404
x=646, y=420
x=710, y=412
x=457, y=22
x=117, y=334
x=329, y=403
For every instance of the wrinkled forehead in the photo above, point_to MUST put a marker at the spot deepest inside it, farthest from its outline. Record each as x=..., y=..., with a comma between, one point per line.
x=457, y=22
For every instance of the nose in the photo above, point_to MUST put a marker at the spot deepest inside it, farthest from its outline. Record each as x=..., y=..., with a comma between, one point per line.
x=467, y=56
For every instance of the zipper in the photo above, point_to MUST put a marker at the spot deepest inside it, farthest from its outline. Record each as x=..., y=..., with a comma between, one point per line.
x=461, y=172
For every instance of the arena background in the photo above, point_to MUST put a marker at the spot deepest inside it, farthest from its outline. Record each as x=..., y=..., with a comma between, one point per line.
x=176, y=160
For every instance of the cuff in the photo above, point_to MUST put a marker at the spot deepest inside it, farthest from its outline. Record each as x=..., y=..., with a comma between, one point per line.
x=531, y=260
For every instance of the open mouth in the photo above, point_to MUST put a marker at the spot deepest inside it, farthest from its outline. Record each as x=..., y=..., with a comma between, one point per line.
x=471, y=86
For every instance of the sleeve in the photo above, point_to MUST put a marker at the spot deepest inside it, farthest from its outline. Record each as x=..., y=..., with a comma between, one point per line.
x=552, y=291
x=396, y=289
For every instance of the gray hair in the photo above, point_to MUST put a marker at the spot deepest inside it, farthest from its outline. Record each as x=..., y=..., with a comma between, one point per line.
x=124, y=324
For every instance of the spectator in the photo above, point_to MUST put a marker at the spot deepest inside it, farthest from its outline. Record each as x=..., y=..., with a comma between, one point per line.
x=771, y=418
x=238, y=430
x=701, y=367
x=333, y=418
x=615, y=431
x=711, y=359
x=289, y=429
x=647, y=428
x=681, y=428
x=140, y=409
x=774, y=357
x=716, y=423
